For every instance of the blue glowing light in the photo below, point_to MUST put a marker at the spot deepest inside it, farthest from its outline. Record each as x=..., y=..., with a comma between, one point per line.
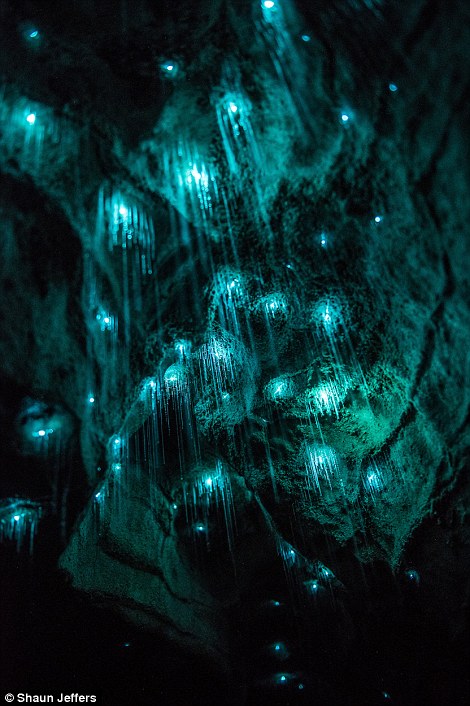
x=18, y=520
x=392, y=87
x=169, y=68
x=327, y=315
x=175, y=378
x=268, y=4
x=282, y=678
x=279, y=389
x=322, y=466
x=106, y=320
x=199, y=178
x=378, y=219
x=324, y=572
x=31, y=118
x=324, y=239
x=374, y=481
x=305, y=37
x=274, y=305
x=412, y=576
x=34, y=34
x=42, y=433
x=233, y=107
x=200, y=528
x=312, y=586
x=91, y=400
x=344, y=117
x=183, y=348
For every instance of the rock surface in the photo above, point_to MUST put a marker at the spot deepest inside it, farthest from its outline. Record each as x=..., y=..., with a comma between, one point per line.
x=235, y=253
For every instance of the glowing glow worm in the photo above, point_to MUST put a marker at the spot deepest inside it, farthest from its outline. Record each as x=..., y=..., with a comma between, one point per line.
x=279, y=389
x=327, y=398
x=274, y=306
x=183, y=349
x=175, y=379
x=374, y=480
x=321, y=464
x=18, y=520
x=327, y=315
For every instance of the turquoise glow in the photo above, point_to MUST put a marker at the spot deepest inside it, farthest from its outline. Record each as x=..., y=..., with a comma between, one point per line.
x=19, y=520
x=34, y=34
x=41, y=433
x=305, y=37
x=327, y=315
x=312, y=586
x=31, y=118
x=274, y=305
x=175, y=378
x=374, y=482
x=412, y=576
x=169, y=68
x=268, y=4
x=105, y=320
x=392, y=87
x=183, y=348
x=279, y=389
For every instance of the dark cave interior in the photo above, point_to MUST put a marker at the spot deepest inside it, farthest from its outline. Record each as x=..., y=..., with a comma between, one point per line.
x=235, y=381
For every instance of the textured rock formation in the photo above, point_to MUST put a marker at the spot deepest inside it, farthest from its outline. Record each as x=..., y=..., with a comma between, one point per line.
x=235, y=274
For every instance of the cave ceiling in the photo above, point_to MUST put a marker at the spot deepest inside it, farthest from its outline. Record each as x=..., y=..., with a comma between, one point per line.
x=235, y=306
